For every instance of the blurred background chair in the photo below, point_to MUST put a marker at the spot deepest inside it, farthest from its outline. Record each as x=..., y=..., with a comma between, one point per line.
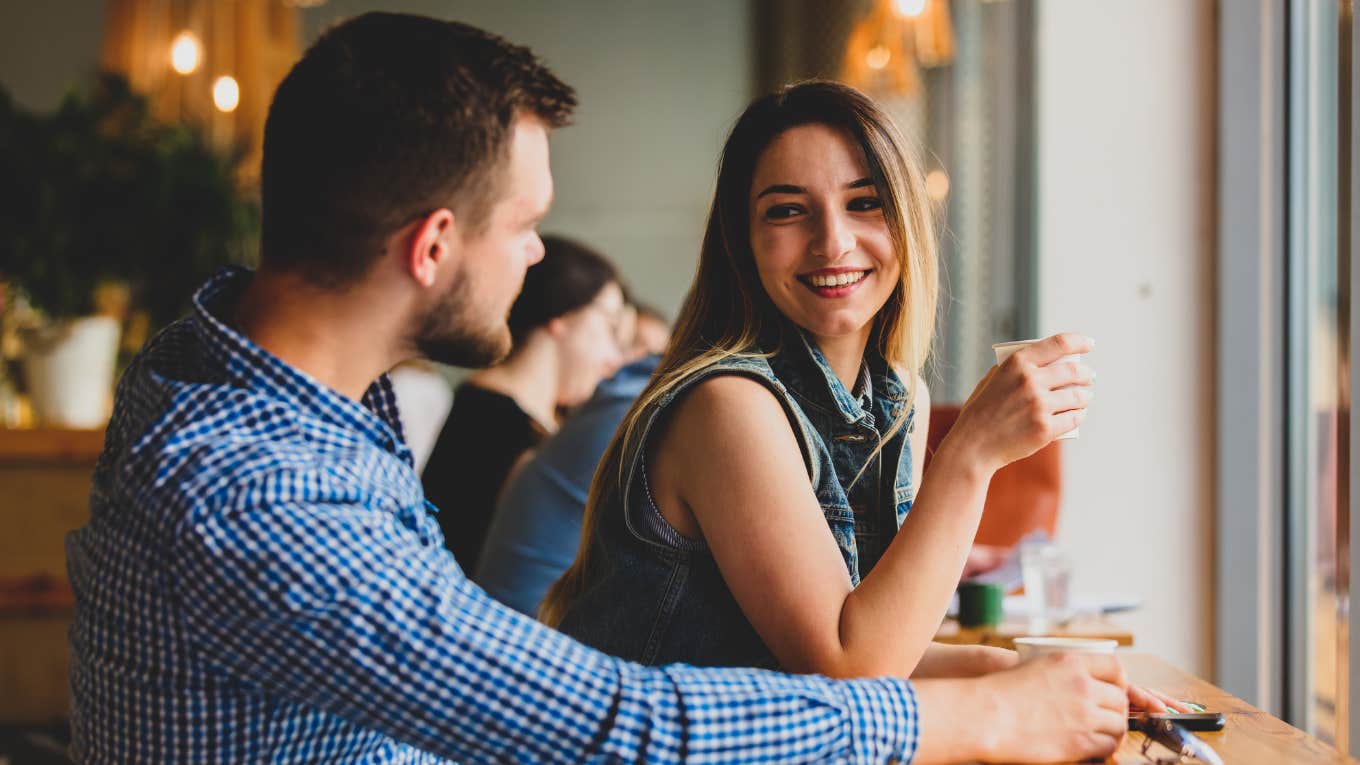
x=1023, y=496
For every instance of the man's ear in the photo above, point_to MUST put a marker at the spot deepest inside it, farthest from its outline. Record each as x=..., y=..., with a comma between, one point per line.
x=432, y=245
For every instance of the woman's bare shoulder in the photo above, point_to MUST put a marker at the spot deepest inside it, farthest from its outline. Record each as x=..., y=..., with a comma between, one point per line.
x=723, y=415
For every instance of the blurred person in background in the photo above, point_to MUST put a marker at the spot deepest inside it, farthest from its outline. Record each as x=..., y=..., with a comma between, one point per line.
x=565, y=329
x=651, y=332
x=537, y=524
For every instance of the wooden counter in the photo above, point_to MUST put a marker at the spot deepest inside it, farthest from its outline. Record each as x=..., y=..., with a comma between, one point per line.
x=1251, y=736
x=44, y=493
x=1004, y=634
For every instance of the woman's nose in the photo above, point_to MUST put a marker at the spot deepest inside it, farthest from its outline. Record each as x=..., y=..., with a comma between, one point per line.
x=833, y=239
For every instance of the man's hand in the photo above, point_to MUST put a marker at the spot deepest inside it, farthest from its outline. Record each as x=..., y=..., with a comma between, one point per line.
x=1056, y=708
x=1150, y=700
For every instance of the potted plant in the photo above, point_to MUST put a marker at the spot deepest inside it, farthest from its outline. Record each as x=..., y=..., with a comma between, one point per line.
x=100, y=197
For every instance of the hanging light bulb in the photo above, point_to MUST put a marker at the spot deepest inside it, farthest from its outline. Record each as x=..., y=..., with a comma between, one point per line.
x=877, y=57
x=937, y=185
x=226, y=93
x=185, y=52
x=911, y=8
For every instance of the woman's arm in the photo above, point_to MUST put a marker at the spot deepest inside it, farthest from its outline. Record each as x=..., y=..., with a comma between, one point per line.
x=943, y=660
x=728, y=467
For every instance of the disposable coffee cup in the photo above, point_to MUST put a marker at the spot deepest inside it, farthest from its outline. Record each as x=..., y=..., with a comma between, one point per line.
x=1034, y=647
x=1004, y=351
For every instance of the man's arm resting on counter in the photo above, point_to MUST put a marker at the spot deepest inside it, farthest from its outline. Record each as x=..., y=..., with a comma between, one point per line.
x=342, y=608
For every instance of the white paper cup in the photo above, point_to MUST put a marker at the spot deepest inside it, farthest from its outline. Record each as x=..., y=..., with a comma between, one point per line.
x=1003, y=351
x=1034, y=647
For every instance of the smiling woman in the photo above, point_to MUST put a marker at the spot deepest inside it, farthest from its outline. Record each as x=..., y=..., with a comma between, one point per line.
x=822, y=248
x=763, y=503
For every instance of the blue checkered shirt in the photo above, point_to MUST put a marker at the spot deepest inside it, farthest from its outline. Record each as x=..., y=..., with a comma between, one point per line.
x=261, y=580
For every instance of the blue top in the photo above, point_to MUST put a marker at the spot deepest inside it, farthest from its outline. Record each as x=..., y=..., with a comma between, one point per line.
x=537, y=525
x=260, y=581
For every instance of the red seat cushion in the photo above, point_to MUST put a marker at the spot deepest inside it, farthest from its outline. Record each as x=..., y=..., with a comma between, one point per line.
x=1023, y=496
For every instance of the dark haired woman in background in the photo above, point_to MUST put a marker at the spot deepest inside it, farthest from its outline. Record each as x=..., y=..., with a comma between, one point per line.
x=565, y=325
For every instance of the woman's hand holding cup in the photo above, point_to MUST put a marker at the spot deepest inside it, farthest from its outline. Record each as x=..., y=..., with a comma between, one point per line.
x=1036, y=394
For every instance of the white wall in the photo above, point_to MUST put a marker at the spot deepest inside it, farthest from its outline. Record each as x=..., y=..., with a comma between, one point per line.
x=1125, y=130
x=659, y=86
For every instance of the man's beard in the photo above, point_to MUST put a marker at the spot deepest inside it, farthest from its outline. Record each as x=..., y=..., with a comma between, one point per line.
x=452, y=332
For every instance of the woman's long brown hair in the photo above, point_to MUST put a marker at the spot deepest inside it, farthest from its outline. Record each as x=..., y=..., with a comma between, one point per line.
x=727, y=309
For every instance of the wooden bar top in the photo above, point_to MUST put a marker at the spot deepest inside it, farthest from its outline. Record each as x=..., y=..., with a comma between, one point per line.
x=1251, y=736
x=49, y=445
x=1004, y=634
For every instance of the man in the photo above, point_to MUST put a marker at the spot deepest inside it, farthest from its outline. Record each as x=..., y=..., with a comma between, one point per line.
x=260, y=579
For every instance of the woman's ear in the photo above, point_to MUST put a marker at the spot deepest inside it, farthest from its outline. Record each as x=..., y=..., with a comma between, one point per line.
x=556, y=327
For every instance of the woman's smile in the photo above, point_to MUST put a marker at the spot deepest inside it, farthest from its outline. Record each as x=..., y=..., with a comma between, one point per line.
x=834, y=282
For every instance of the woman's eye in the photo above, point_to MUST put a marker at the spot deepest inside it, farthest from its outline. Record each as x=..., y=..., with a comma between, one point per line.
x=779, y=212
x=865, y=204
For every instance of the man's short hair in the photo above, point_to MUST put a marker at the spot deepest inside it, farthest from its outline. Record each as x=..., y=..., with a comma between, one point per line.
x=386, y=118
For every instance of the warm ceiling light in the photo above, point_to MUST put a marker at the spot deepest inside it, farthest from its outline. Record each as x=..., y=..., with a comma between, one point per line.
x=185, y=52
x=911, y=8
x=937, y=185
x=226, y=93
x=877, y=57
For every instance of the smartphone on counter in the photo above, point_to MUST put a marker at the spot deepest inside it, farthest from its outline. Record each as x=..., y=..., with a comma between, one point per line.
x=1193, y=721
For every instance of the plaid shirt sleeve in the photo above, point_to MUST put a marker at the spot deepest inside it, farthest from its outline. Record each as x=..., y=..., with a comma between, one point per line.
x=341, y=607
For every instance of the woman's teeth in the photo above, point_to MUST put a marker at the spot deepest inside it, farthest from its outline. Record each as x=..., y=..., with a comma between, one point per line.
x=836, y=280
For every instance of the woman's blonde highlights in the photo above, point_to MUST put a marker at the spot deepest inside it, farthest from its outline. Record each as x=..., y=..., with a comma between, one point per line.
x=727, y=312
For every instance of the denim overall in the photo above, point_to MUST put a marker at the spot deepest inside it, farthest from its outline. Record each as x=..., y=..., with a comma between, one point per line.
x=656, y=598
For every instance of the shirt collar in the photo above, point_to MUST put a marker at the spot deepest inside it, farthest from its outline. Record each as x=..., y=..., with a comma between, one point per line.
x=250, y=366
x=840, y=398
x=864, y=387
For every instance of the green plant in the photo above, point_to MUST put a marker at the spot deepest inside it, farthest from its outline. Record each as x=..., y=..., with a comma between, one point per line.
x=100, y=190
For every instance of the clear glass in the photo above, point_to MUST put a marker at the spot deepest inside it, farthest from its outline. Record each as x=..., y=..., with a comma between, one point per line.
x=1047, y=576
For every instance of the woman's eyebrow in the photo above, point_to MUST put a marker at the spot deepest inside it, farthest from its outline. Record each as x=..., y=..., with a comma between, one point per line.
x=786, y=188
x=782, y=188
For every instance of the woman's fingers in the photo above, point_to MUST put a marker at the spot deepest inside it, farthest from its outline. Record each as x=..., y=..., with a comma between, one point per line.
x=1066, y=422
x=1175, y=705
x=1062, y=374
x=1152, y=700
x=1067, y=399
x=1142, y=699
x=1050, y=349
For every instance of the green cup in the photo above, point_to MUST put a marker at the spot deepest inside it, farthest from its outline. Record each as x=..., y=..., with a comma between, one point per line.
x=980, y=604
